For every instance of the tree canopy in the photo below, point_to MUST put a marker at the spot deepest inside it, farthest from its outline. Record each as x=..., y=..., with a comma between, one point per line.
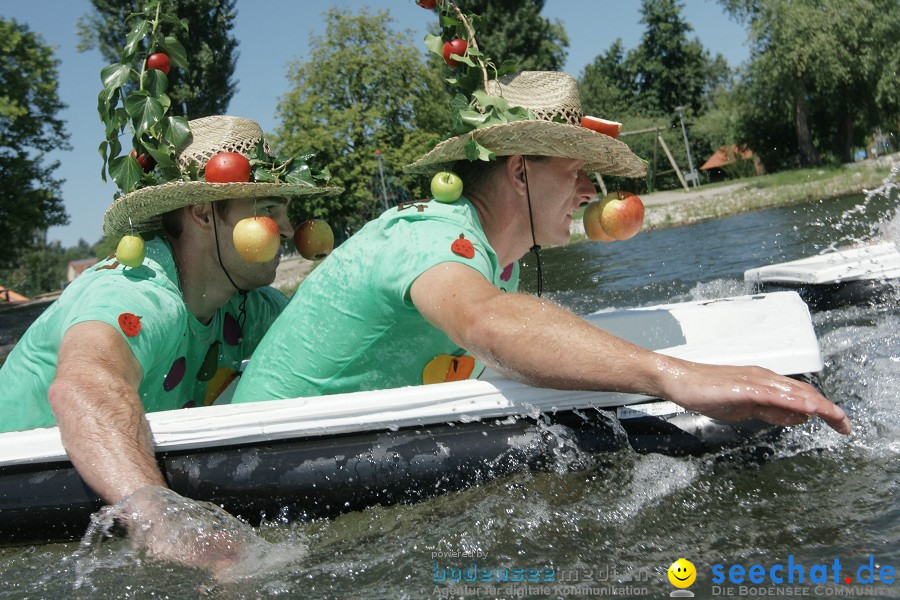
x=30, y=127
x=365, y=88
x=206, y=87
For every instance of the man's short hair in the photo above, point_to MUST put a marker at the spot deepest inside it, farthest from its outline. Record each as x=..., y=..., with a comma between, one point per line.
x=475, y=174
x=173, y=224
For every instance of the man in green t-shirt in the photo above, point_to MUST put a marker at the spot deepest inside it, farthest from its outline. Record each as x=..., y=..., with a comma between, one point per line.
x=420, y=291
x=170, y=331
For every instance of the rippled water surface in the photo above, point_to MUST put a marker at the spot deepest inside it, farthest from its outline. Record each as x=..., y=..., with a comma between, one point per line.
x=622, y=518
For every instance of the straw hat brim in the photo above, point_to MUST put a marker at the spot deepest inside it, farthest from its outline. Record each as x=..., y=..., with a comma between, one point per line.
x=141, y=209
x=601, y=153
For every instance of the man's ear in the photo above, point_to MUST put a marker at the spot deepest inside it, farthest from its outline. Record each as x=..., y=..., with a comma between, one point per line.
x=200, y=214
x=515, y=172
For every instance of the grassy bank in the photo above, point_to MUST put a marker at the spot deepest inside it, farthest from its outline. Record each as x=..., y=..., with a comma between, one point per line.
x=768, y=191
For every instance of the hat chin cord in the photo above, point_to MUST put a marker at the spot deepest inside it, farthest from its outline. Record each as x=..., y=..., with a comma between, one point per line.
x=242, y=308
x=535, y=249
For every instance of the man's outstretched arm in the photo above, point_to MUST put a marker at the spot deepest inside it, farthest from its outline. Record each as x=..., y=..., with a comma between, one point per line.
x=536, y=341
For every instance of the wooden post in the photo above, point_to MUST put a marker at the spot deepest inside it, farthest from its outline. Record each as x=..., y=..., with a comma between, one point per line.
x=665, y=148
x=655, y=160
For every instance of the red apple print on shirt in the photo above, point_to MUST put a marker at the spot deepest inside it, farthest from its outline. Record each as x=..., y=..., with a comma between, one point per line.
x=130, y=324
x=507, y=272
x=463, y=247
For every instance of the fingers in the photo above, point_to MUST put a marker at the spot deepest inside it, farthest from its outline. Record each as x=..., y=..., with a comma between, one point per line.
x=797, y=402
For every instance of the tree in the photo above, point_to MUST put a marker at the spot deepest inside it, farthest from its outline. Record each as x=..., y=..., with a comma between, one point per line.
x=607, y=86
x=207, y=86
x=826, y=70
x=30, y=199
x=364, y=88
x=516, y=31
x=670, y=70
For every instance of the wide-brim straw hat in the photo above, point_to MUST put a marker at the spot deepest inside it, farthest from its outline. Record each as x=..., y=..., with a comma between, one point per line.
x=553, y=98
x=141, y=209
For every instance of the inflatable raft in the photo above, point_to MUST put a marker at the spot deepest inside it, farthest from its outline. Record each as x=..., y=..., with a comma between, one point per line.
x=858, y=275
x=320, y=456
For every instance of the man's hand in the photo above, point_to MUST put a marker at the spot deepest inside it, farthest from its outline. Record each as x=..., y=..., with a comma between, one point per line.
x=737, y=393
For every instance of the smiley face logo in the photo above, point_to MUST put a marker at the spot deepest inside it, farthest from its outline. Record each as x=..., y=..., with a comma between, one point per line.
x=682, y=573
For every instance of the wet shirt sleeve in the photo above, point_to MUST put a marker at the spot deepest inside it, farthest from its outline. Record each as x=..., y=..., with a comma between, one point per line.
x=415, y=246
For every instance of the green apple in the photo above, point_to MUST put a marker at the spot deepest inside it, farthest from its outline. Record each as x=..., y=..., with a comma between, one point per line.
x=257, y=239
x=314, y=239
x=446, y=186
x=130, y=251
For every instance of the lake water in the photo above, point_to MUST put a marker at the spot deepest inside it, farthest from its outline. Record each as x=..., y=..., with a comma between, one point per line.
x=614, y=527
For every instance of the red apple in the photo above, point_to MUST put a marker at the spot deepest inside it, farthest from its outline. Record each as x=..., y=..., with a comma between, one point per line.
x=610, y=128
x=257, y=239
x=592, y=226
x=622, y=215
x=227, y=167
x=145, y=160
x=455, y=46
x=159, y=61
x=314, y=239
x=429, y=4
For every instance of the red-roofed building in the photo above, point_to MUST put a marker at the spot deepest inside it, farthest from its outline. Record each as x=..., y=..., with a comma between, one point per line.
x=728, y=162
x=77, y=267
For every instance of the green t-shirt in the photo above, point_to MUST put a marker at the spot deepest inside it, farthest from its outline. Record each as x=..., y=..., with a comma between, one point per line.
x=181, y=358
x=352, y=326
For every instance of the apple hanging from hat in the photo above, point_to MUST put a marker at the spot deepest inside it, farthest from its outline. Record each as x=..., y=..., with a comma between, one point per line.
x=616, y=217
x=257, y=239
x=314, y=239
x=130, y=251
x=144, y=160
x=446, y=187
x=455, y=46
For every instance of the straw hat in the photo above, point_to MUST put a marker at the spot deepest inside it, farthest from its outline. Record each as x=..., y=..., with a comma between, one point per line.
x=210, y=135
x=553, y=98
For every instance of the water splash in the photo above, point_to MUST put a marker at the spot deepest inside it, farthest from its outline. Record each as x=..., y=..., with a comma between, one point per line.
x=171, y=528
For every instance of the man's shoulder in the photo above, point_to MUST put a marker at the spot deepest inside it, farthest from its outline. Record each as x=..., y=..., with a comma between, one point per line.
x=268, y=296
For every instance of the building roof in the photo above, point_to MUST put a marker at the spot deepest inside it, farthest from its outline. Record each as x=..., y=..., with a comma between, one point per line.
x=725, y=156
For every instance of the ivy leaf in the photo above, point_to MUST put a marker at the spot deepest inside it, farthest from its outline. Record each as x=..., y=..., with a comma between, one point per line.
x=300, y=173
x=145, y=112
x=125, y=171
x=135, y=37
x=487, y=101
x=462, y=59
x=155, y=81
x=260, y=174
x=473, y=118
x=506, y=67
x=173, y=20
x=176, y=131
x=449, y=21
x=102, y=150
x=162, y=155
x=435, y=44
x=173, y=48
x=475, y=151
x=113, y=77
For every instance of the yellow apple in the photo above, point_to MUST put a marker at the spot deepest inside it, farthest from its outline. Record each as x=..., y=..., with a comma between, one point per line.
x=130, y=251
x=314, y=239
x=592, y=226
x=257, y=239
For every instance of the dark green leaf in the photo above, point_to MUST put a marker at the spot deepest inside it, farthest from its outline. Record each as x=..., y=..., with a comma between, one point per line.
x=125, y=171
x=162, y=155
x=261, y=174
x=507, y=67
x=449, y=21
x=487, y=101
x=114, y=76
x=463, y=59
x=155, y=82
x=173, y=48
x=102, y=150
x=135, y=37
x=177, y=131
x=145, y=112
